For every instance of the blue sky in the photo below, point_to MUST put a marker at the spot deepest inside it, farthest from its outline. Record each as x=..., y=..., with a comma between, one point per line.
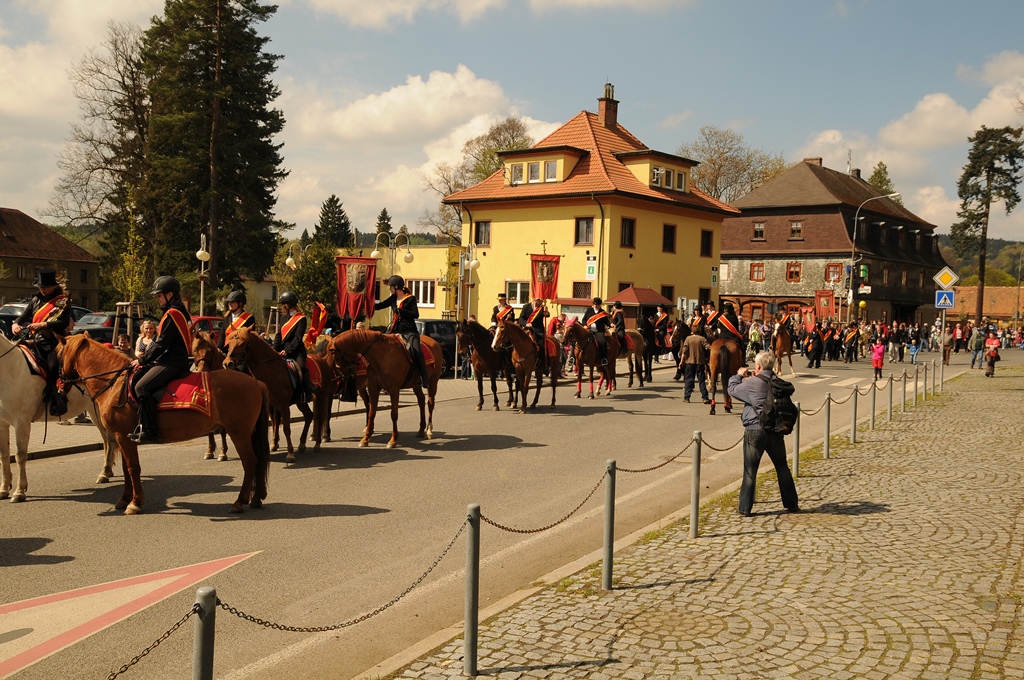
x=377, y=92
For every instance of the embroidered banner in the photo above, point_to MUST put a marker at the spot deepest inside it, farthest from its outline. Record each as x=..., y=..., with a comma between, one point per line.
x=544, y=276
x=356, y=278
x=808, y=318
x=824, y=304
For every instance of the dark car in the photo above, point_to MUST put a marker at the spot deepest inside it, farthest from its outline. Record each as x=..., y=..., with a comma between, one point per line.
x=8, y=313
x=444, y=333
x=100, y=325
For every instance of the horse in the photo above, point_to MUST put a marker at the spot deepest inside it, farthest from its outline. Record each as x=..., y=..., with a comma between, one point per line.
x=207, y=357
x=248, y=351
x=21, y=404
x=236, y=402
x=724, y=360
x=486, y=361
x=527, y=360
x=646, y=329
x=389, y=367
x=782, y=345
x=585, y=352
x=636, y=356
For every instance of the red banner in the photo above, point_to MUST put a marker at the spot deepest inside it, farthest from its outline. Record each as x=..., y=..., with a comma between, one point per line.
x=808, y=318
x=318, y=319
x=544, y=276
x=824, y=304
x=356, y=279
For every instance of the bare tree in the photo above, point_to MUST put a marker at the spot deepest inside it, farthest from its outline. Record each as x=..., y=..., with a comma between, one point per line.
x=729, y=168
x=104, y=159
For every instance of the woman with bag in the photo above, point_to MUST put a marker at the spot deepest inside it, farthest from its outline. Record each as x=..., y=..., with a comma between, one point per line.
x=991, y=354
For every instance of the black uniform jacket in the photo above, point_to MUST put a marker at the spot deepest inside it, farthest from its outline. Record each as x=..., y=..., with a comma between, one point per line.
x=173, y=344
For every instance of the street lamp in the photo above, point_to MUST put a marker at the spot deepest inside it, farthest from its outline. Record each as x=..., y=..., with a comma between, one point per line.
x=853, y=250
x=392, y=244
x=203, y=256
x=290, y=261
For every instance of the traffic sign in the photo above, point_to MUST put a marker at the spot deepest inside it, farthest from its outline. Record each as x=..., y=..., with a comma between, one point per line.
x=944, y=299
x=946, y=279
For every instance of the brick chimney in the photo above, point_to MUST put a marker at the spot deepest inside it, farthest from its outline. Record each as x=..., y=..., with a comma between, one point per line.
x=813, y=161
x=856, y=173
x=608, y=108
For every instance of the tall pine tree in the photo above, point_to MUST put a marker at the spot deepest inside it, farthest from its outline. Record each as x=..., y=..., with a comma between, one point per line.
x=334, y=227
x=384, y=222
x=214, y=166
x=880, y=180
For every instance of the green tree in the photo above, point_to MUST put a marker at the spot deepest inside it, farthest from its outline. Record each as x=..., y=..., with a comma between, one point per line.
x=334, y=227
x=993, y=277
x=384, y=222
x=305, y=238
x=880, y=180
x=992, y=174
x=729, y=168
x=315, y=277
x=131, y=276
x=213, y=164
x=4, y=271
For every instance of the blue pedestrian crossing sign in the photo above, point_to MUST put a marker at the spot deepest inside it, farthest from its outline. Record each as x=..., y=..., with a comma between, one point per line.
x=944, y=299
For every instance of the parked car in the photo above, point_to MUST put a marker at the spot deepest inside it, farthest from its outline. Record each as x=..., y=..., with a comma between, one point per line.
x=10, y=312
x=213, y=325
x=444, y=333
x=100, y=325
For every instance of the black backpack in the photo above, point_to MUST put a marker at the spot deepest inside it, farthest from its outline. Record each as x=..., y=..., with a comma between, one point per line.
x=778, y=412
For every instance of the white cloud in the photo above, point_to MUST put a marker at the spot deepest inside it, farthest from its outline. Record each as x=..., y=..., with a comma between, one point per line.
x=641, y=5
x=382, y=14
x=1004, y=66
x=937, y=121
x=934, y=205
x=676, y=120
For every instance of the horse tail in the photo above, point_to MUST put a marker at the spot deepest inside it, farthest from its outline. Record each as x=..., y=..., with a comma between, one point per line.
x=261, y=446
x=723, y=367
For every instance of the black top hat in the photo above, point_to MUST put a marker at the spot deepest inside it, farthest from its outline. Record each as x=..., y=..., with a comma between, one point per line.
x=46, y=278
x=502, y=296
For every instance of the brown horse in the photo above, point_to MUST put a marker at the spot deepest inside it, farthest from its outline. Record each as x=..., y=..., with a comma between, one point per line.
x=486, y=361
x=782, y=345
x=249, y=352
x=585, y=354
x=237, y=403
x=389, y=367
x=635, y=356
x=527, y=360
x=206, y=357
x=724, y=360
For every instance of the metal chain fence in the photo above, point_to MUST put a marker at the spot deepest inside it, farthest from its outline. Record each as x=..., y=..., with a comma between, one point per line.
x=513, y=530
x=337, y=626
x=141, y=655
x=659, y=465
x=837, y=402
x=729, y=448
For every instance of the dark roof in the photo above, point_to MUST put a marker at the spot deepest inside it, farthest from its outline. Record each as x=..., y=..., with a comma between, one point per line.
x=638, y=295
x=22, y=236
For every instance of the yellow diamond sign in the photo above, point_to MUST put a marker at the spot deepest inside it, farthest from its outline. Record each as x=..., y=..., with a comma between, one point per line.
x=946, y=278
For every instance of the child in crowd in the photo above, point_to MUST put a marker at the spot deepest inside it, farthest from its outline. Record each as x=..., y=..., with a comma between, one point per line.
x=877, y=356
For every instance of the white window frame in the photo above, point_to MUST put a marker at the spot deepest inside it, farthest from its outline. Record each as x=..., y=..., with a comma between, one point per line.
x=589, y=229
x=550, y=171
x=423, y=290
x=517, y=173
x=518, y=293
x=666, y=178
x=723, y=271
x=680, y=181
x=657, y=175
x=533, y=172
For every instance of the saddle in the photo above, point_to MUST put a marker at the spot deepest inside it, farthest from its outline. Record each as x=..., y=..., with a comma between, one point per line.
x=627, y=347
x=190, y=392
x=428, y=356
x=36, y=366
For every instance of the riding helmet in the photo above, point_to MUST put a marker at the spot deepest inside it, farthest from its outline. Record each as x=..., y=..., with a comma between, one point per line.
x=288, y=298
x=166, y=284
x=237, y=296
x=396, y=282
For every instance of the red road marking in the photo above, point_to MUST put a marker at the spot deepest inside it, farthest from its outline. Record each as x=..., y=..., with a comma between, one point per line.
x=183, y=578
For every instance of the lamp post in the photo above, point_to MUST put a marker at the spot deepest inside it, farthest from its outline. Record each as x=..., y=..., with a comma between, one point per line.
x=853, y=251
x=203, y=256
x=290, y=261
x=392, y=244
x=1020, y=261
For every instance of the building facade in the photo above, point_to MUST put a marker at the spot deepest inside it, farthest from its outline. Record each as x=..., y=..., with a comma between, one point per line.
x=27, y=245
x=616, y=212
x=794, y=246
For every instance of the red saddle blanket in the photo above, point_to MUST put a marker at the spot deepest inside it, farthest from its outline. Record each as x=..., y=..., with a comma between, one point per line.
x=362, y=366
x=315, y=375
x=552, y=348
x=33, y=363
x=192, y=393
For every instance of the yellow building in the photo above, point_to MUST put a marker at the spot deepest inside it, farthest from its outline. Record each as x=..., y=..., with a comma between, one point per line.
x=430, y=273
x=617, y=212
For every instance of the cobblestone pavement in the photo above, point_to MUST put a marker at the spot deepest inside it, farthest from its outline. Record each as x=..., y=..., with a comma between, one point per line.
x=905, y=563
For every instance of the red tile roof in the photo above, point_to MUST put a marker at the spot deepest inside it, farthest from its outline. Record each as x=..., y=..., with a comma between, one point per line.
x=599, y=171
x=638, y=295
x=22, y=236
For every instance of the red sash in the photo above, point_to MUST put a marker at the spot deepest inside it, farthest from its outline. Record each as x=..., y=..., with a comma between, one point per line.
x=46, y=310
x=661, y=317
x=784, y=319
x=851, y=335
x=712, y=318
x=316, y=326
x=827, y=335
x=398, y=316
x=534, y=315
x=502, y=313
x=178, y=319
x=597, y=317
x=289, y=325
x=236, y=324
x=728, y=325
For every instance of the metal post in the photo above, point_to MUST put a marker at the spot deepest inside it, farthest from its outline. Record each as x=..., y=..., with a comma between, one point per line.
x=874, y=397
x=903, y=404
x=853, y=424
x=796, y=442
x=935, y=374
x=695, y=484
x=924, y=392
x=609, y=526
x=469, y=631
x=203, y=637
x=890, y=398
x=916, y=372
x=828, y=424
x=942, y=357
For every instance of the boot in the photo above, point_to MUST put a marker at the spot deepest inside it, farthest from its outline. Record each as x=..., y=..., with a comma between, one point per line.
x=421, y=363
x=307, y=387
x=147, y=421
x=58, y=403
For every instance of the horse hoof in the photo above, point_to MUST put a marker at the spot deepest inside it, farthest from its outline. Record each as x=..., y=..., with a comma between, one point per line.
x=102, y=479
x=712, y=411
x=222, y=457
x=363, y=444
x=132, y=509
x=236, y=508
x=421, y=435
x=256, y=503
x=4, y=495
x=392, y=445
x=591, y=396
x=274, y=448
x=576, y=396
x=18, y=497
x=208, y=456
x=327, y=438
x=728, y=409
x=430, y=434
x=479, y=408
x=496, y=408
x=289, y=459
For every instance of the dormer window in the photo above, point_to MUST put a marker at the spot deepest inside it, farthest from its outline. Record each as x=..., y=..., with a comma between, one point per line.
x=550, y=171
x=517, y=173
x=668, y=179
x=796, y=230
x=533, y=172
x=656, y=174
x=758, y=231
x=680, y=181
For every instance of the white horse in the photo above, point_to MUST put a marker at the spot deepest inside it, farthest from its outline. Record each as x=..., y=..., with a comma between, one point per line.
x=21, y=403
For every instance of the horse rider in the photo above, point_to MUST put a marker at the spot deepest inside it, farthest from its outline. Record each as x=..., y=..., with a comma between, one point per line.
x=729, y=327
x=403, y=322
x=165, y=359
x=290, y=340
x=661, y=327
x=502, y=310
x=596, y=319
x=619, y=322
x=47, y=316
x=235, y=318
x=532, y=319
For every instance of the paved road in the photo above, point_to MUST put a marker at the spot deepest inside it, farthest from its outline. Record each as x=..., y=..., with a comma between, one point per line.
x=347, y=528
